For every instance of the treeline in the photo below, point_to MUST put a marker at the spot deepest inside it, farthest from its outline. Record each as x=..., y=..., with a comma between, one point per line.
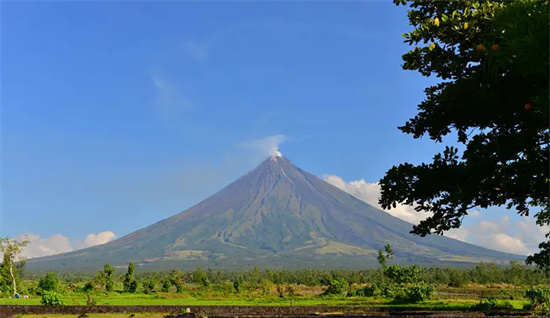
x=516, y=273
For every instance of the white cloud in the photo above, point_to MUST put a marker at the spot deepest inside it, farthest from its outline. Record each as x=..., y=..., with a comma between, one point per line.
x=99, y=238
x=519, y=237
x=38, y=246
x=370, y=192
x=268, y=146
x=57, y=243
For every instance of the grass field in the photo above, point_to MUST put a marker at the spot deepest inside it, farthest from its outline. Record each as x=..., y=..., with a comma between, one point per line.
x=438, y=303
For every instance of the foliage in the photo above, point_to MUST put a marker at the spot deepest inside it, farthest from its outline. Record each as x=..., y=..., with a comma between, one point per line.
x=12, y=264
x=129, y=285
x=384, y=256
x=199, y=277
x=414, y=293
x=492, y=303
x=403, y=274
x=48, y=282
x=375, y=290
x=174, y=279
x=149, y=285
x=492, y=58
x=88, y=287
x=238, y=283
x=133, y=286
x=108, y=274
x=52, y=298
x=539, y=298
x=337, y=287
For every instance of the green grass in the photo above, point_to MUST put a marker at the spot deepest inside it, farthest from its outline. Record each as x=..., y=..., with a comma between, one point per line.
x=187, y=300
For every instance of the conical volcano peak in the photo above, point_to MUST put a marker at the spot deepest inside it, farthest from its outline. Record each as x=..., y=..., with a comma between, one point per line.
x=276, y=215
x=275, y=154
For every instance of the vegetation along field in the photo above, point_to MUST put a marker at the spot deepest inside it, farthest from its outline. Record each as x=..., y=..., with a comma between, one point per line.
x=515, y=287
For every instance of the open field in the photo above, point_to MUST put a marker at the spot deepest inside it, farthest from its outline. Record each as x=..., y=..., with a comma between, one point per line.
x=444, y=298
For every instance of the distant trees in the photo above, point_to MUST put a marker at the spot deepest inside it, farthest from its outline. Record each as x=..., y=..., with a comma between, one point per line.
x=493, y=61
x=384, y=281
x=12, y=263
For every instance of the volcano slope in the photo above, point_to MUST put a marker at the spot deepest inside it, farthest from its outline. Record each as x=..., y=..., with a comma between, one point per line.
x=276, y=216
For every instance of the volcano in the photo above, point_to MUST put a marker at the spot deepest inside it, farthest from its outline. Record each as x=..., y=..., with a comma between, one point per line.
x=276, y=216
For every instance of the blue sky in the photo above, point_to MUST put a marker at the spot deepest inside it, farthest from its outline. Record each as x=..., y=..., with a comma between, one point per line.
x=117, y=114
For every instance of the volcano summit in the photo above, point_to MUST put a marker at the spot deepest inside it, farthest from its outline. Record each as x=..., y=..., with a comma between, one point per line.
x=274, y=216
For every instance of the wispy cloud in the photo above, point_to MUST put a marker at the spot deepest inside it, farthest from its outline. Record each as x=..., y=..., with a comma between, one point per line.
x=170, y=98
x=268, y=146
x=57, y=244
x=198, y=51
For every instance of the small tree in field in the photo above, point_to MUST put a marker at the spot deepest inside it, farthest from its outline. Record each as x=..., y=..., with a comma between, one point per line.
x=108, y=273
x=129, y=280
x=11, y=249
x=48, y=283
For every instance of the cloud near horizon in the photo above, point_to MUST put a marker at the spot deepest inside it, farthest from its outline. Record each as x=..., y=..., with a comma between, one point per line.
x=370, y=192
x=57, y=243
x=519, y=237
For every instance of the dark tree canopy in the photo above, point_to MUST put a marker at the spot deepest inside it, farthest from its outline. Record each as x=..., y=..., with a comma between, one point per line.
x=492, y=59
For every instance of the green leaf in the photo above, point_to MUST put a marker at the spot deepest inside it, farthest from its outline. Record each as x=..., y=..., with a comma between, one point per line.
x=444, y=18
x=465, y=25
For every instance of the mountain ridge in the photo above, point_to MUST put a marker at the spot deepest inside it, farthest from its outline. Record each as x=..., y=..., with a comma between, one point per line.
x=280, y=215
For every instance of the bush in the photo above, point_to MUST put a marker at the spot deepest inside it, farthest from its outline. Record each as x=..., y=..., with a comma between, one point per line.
x=51, y=298
x=415, y=293
x=88, y=287
x=48, y=282
x=337, y=287
x=491, y=304
x=403, y=274
x=538, y=296
x=539, y=299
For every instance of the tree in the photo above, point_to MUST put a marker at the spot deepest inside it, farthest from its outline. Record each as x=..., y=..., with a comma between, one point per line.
x=492, y=58
x=384, y=256
x=129, y=279
x=48, y=283
x=199, y=277
x=108, y=273
x=11, y=250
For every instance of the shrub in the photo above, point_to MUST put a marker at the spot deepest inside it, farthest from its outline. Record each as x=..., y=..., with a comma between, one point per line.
x=539, y=299
x=538, y=296
x=133, y=287
x=492, y=303
x=48, y=282
x=403, y=274
x=51, y=298
x=87, y=288
x=415, y=293
x=337, y=287
x=238, y=283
